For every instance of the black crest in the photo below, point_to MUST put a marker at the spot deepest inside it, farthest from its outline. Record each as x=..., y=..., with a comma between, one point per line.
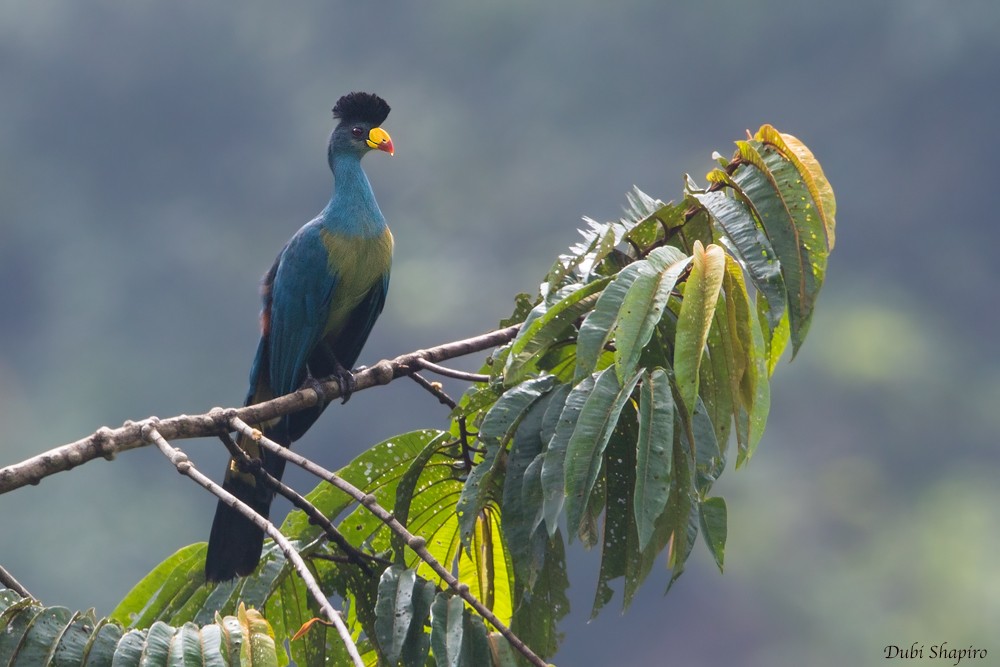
x=361, y=107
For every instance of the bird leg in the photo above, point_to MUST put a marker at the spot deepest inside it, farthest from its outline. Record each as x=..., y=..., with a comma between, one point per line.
x=345, y=380
x=326, y=359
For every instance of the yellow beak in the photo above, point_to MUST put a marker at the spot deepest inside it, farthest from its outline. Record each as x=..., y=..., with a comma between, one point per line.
x=380, y=139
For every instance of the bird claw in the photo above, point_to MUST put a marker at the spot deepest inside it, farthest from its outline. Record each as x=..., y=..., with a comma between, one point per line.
x=346, y=382
x=345, y=379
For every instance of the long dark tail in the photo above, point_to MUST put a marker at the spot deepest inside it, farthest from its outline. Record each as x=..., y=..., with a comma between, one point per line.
x=235, y=544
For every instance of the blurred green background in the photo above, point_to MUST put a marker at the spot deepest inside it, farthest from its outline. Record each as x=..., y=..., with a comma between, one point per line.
x=155, y=156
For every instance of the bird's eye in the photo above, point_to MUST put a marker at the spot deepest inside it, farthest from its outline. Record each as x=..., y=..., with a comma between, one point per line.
x=358, y=132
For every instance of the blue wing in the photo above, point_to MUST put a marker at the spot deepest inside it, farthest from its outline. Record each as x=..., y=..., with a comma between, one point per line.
x=300, y=305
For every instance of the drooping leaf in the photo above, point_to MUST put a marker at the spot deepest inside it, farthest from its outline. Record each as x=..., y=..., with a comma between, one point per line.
x=747, y=240
x=447, y=630
x=812, y=174
x=458, y=638
x=653, y=452
x=526, y=546
x=599, y=325
x=701, y=292
x=585, y=449
x=554, y=464
x=723, y=366
x=495, y=432
x=671, y=526
x=713, y=527
x=785, y=208
x=485, y=566
x=619, y=539
x=539, y=610
x=643, y=306
x=775, y=340
x=709, y=459
x=404, y=604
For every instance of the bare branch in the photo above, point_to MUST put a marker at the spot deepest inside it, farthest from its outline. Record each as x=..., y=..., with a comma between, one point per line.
x=185, y=467
x=107, y=442
x=8, y=580
x=451, y=372
x=435, y=389
x=415, y=542
x=352, y=553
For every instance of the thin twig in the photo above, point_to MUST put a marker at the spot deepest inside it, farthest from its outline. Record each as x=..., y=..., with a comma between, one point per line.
x=434, y=388
x=353, y=554
x=185, y=467
x=107, y=442
x=415, y=542
x=451, y=372
x=8, y=580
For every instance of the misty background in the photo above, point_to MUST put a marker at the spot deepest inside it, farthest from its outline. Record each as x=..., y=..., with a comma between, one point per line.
x=154, y=157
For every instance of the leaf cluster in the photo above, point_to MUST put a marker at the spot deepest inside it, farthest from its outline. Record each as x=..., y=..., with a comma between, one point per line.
x=607, y=419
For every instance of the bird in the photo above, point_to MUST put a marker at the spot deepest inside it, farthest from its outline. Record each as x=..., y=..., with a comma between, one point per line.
x=321, y=298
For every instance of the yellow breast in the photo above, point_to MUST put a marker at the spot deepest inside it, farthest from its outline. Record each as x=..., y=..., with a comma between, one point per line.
x=359, y=264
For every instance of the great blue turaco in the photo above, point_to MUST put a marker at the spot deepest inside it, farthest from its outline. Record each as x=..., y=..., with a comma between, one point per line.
x=320, y=300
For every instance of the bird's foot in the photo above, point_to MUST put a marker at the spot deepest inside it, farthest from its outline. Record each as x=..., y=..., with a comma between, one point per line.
x=345, y=380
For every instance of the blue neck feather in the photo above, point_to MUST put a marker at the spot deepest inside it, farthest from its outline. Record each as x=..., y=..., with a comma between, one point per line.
x=352, y=210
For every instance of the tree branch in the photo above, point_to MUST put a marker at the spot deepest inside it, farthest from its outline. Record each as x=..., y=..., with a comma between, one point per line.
x=451, y=372
x=415, y=542
x=8, y=580
x=186, y=468
x=107, y=442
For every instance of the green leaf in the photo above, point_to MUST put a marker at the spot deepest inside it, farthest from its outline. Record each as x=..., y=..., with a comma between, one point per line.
x=404, y=603
x=701, y=292
x=585, y=449
x=523, y=303
x=498, y=427
x=643, y=306
x=177, y=576
x=538, y=611
x=787, y=212
x=485, y=566
x=775, y=340
x=709, y=461
x=747, y=241
x=458, y=638
x=599, y=325
x=523, y=542
x=671, y=526
x=811, y=173
x=655, y=224
x=447, y=630
x=653, y=455
x=407, y=486
x=724, y=372
x=713, y=527
x=760, y=371
x=553, y=467
x=376, y=471
x=620, y=541
x=552, y=325
x=31, y=634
